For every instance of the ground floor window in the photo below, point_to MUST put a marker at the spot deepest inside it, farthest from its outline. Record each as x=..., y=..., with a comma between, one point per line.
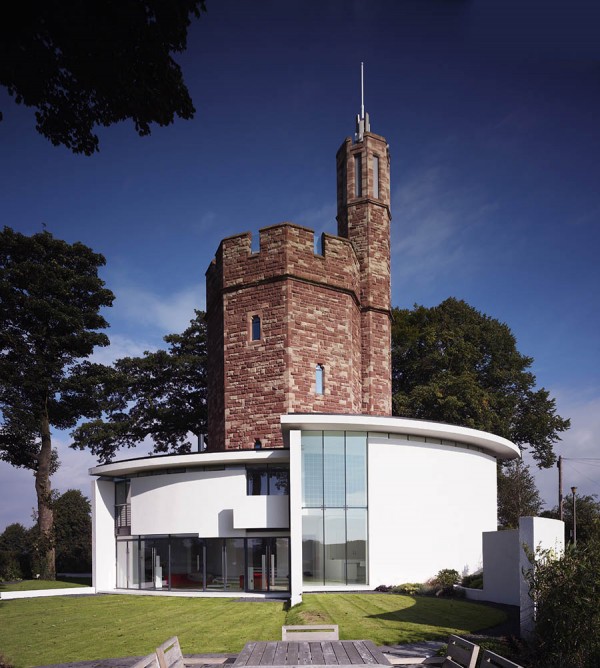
x=204, y=564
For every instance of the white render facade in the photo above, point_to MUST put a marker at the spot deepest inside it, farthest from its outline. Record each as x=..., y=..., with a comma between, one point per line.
x=351, y=502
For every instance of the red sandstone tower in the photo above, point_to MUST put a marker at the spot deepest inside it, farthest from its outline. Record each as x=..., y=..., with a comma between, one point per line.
x=292, y=331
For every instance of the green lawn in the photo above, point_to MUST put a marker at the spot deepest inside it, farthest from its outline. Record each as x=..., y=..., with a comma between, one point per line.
x=61, y=629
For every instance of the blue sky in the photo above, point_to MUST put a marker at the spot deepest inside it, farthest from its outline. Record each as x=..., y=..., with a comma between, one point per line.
x=491, y=110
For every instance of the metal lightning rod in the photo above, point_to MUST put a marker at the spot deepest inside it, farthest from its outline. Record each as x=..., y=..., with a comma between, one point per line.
x=362, y=93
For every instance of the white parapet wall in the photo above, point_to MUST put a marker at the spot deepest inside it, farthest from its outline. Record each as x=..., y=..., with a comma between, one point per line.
x=509, y=555
x=44, y=593
x=501, y=573
x=539, y=537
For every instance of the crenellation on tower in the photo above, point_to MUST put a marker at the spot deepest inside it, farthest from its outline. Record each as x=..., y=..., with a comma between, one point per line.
x=294, y=331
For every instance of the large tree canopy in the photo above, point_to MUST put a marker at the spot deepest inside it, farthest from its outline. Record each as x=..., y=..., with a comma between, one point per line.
x=518, y=495
x=82, y=64
x=161, y=395
x=50, y=301
x=453, y=364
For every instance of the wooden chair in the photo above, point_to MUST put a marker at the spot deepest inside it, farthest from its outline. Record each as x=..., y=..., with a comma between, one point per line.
x=150, y=661
x=169, y=654
x=310, y=632
x=460, y=653
x=493, y=660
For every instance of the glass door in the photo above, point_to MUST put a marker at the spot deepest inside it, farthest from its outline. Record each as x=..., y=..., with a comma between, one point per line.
x=268, y=564
x=154, y=563
x=187, y=563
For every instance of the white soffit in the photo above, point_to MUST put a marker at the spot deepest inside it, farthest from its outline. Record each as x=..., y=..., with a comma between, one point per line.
x=489, y=443
x=197, y=459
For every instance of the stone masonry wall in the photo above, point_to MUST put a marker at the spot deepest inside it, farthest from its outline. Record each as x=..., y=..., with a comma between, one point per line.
x=309, y=311
x=365, y=220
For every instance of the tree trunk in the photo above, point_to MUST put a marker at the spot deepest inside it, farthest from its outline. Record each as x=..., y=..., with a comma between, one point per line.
x=46, y=553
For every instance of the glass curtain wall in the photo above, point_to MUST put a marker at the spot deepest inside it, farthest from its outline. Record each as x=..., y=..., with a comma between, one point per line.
x=209, y=564
x=334, y=507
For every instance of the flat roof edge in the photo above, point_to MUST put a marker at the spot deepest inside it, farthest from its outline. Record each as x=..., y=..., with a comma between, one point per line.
x=497, y=446
x=194, y=459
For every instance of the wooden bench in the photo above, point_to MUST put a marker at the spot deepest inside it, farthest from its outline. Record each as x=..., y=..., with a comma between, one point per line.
x=169, y=656
x=310, y=632
x=460, y=653
x=489, y=658
x=150, y=661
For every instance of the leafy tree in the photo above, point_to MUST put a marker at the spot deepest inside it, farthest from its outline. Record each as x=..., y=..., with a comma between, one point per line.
x=82, y=64
x=518, y=495
x=160, y=395
x=566, y=593
x=73, y=532
x=15, y=537
x=453, y=364
x=50, y=298
x=15, y=552
x=587, y=508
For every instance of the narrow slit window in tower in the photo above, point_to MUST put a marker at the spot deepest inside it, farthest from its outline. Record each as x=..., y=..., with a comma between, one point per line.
x=256, y=328
x=357, y=175
x=376, y=177
x=319, y=369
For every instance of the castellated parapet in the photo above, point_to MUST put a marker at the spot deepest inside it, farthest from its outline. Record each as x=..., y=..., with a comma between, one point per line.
x=294, y=331
x=309, y=311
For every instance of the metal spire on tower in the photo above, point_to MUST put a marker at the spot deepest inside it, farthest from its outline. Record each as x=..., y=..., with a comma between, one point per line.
x=362, y=120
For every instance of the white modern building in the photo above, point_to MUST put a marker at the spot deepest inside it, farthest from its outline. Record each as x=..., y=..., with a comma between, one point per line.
x=308, y=483
x=353, y=502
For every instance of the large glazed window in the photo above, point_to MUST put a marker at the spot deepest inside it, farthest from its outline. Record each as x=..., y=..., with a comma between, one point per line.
x=204, y=564
x=334, y=507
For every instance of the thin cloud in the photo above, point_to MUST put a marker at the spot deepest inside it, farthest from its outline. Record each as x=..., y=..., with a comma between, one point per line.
x=120, y=346
x=436, y=221
x=167, y=313
x=320, y=219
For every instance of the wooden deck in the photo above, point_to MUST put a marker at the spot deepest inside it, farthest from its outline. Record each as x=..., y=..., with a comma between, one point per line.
x=316, y=653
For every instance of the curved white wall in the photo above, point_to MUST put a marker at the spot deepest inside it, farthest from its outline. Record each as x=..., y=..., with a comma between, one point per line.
x=428, y=506
x=210, y=504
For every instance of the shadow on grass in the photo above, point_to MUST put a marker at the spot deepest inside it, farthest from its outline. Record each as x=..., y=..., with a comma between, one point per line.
x=445, y=613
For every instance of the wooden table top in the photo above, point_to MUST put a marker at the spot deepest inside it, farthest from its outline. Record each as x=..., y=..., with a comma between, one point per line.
x=306, y=653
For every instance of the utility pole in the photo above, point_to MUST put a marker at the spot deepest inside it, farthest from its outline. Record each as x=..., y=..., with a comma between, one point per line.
x=560, y=494
x=574, y=490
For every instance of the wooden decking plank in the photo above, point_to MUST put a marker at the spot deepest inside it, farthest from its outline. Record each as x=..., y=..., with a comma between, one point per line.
x=376, y=652
x=280, y=654
x=292, y=653
x=244, y=655
x=303, y=653
x=268, y=657
x=353, y=655
x=364, y=652
x=329, y=656
x=257, y=654
x=340, y=653
x=316, y=653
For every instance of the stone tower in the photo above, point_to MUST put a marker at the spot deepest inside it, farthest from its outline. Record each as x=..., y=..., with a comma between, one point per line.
x=363, y=206
x=294, y=331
